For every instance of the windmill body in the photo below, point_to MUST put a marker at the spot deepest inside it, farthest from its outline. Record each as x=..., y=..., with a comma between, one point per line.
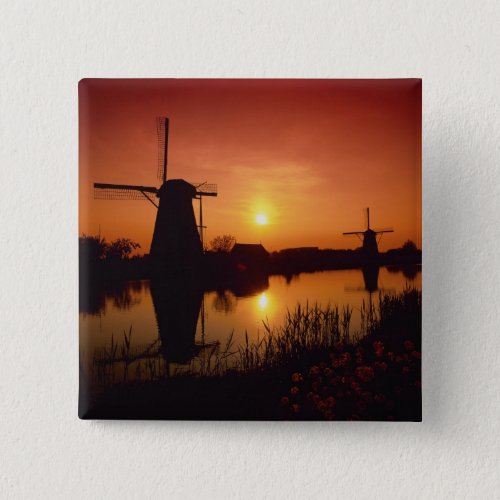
x=369, y=238
x=175, y=235
x=176, y=238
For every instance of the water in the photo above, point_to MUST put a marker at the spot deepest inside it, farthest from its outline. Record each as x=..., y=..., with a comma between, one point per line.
x=178, y=323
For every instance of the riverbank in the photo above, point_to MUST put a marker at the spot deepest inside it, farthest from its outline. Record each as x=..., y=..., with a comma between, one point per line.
x=310, y=368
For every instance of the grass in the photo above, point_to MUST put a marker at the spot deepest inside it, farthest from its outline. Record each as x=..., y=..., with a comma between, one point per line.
x=311, y=367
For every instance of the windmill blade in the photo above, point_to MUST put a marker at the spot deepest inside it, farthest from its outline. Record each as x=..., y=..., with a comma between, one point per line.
x=205, y=189
x=162, y=131
x=357, y=233
x=385, y=230
x=123, y=192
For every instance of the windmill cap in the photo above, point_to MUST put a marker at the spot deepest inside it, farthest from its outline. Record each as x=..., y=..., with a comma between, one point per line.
x=178, y=187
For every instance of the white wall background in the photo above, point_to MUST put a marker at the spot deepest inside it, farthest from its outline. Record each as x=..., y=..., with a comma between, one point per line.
x=46, y=47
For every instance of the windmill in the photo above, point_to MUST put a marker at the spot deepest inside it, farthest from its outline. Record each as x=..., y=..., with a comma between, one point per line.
x=176, y=235
x=370, y=238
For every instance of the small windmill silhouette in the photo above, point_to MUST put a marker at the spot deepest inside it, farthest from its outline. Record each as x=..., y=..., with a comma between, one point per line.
x=369, y=237
x=176, y=235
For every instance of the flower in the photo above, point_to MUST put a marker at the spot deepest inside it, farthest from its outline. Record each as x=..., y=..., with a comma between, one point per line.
x=378, y=347
x=314, y=371
x=295, y=408
x=408, y=345
x=284, y=401
x=344, y=359
x=328, y=415
x=365, y=373
x=330, y=402
x=367, y=396
x=297, y=377
x=294, y=390
x=328, y=372
x=321, y=406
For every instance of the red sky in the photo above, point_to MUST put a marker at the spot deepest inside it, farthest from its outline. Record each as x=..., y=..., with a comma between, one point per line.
x=308, y=154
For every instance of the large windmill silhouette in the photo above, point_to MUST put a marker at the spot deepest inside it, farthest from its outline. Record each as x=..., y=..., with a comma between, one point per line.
x=176, y=235
x=369, y=238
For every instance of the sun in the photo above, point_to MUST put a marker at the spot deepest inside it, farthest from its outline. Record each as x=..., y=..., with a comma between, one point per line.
x=261, y=219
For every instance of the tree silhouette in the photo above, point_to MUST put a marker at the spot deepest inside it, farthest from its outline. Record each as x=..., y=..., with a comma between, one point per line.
x=95, y=248
x=409, y=247
x=92, y=248
x=222, y=243
x=121, y=249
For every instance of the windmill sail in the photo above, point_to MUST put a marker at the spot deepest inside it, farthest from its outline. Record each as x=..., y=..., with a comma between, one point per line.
x=205, y=189
x=162, y=131
x=123, y=192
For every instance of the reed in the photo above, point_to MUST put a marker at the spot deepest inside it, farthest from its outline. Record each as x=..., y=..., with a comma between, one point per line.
x=306, y=332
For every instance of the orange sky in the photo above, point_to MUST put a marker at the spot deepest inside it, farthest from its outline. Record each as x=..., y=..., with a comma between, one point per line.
x=309, y=154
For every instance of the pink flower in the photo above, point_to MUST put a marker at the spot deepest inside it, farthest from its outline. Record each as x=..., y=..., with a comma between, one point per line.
x=297, y=377
x=294, y=390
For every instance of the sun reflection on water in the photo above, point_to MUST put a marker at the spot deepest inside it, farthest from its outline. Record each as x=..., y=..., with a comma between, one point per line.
x=263, y=301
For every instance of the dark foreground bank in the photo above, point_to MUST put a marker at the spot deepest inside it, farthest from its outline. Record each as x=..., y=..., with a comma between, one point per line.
x=311, y=369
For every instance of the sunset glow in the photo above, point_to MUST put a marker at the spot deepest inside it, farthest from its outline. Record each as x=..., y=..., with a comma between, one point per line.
x=300, y=158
